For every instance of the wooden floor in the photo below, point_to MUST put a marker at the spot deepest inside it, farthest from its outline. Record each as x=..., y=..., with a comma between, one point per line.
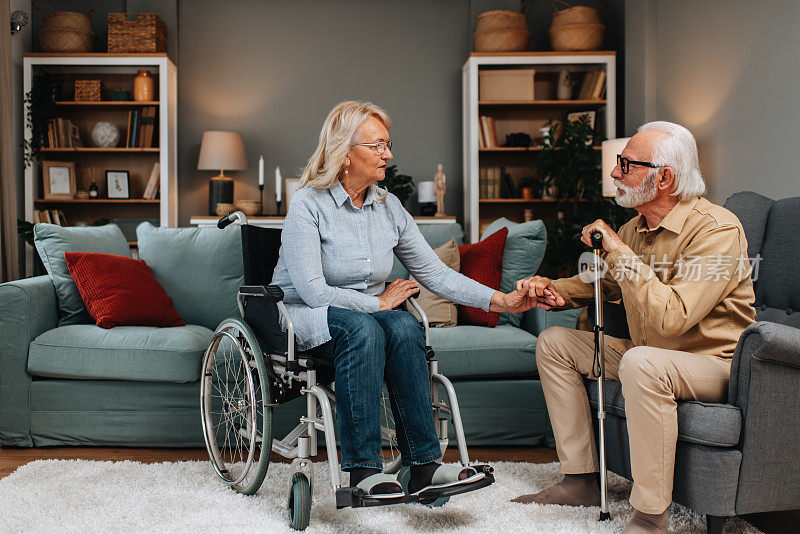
x=12, y=458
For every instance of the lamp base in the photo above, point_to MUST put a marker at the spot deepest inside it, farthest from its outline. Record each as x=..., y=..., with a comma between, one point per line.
x=428, y=209
x=220, y=191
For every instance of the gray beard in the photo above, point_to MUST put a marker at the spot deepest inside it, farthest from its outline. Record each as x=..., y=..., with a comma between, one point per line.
x=636, y=196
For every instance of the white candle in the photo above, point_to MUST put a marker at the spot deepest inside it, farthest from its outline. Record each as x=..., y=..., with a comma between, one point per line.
x=261, y=170
x=278, y=181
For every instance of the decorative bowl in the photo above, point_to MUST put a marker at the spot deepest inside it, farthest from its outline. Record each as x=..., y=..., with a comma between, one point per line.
x=223, y=208
x=249, y=207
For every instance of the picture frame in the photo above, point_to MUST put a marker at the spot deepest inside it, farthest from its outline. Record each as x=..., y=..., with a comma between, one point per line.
x=574, y=116
x=58, y=178
x=292, y=185
x=118, y=184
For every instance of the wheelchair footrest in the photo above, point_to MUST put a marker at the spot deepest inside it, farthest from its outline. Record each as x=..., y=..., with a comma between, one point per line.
x=357, y=498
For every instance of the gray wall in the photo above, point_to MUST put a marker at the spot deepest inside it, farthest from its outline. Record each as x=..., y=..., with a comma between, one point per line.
x=272, y=70
x=728, y=71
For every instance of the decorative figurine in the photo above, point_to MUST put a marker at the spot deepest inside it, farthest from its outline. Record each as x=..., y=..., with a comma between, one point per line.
x=440, y=179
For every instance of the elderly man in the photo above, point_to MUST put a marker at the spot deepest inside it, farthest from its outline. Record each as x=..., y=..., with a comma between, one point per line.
x=682, y=270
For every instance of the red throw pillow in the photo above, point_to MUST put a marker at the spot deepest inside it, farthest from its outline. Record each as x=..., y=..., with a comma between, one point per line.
x=483, y=262
x=120, y=291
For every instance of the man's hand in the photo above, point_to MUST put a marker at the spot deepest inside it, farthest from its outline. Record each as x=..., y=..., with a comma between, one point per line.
x=526, y=297
x=611, y=241
x=543, y=289
x=396, y=293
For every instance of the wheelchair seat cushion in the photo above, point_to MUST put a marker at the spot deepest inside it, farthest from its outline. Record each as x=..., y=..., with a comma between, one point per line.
x=138, y=353
x=483, y=352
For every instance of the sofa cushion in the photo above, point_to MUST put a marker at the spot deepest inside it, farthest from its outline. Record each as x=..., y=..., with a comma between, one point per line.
x=704, y=423
x=139, y=353
x=483, y=262
x=436, y=235
x=52, y=241
x=480, y=352
x=440, y=312
x=200, y=268
x=525, y=246
x=120, y=291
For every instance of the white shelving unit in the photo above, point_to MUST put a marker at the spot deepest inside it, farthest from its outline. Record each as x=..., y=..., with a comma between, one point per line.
x=547, y=64
x=116, y=67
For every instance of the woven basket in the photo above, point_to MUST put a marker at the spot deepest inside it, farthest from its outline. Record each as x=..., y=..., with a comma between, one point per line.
x=65, y=31
x=147, y=33
x=501, y=20
x=87, y=90
x=501, y=41
x=577, y=37
x=575, y=15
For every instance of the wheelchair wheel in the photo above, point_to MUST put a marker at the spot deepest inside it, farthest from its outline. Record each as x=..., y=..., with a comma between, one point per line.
x=234, y=402
x=390, y=453
x=299, y=502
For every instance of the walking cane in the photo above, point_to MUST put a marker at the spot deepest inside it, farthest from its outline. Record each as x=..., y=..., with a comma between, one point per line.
x=599, y=370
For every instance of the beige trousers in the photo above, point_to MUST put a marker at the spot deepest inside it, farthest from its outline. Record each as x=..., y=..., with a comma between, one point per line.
x=652, y=380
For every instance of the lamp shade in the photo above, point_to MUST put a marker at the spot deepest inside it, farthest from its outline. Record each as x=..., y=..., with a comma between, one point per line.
x=611, y=148
x=222, y=151
x=426, y=192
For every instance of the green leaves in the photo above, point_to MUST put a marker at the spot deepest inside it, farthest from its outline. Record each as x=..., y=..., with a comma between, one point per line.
x=401, y=185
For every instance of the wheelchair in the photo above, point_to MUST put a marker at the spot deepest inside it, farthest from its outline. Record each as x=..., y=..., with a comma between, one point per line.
x=252, y=367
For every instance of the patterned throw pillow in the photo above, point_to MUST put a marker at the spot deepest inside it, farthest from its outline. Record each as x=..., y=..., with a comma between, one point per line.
x=440, y=312
x=483, y=262
x=120, y=291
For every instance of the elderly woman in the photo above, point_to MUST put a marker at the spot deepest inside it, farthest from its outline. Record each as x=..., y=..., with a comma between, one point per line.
x=339, y=239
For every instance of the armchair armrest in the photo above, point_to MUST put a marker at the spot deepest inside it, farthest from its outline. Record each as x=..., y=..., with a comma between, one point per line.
x=765, y=381
x=537, y=320
x=29, y=309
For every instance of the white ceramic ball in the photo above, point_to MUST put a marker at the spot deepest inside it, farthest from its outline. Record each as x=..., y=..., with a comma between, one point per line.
x=105, y=134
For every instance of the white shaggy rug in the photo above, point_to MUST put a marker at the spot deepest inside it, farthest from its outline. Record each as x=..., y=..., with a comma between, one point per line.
x=88, y=496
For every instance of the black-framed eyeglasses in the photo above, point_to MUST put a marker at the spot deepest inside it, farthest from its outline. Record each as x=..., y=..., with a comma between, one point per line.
x=625, y=164
x=379, y=147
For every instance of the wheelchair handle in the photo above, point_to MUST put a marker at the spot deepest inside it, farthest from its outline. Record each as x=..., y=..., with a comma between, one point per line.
x=230, y=218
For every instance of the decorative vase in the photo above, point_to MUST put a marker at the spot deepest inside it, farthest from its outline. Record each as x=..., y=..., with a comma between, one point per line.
x=105, y=135
x=527, y=193
x=564, y=85
x=143, y=86
x=93, y=191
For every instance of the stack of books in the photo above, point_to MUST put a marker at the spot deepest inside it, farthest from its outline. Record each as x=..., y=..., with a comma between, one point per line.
x=153, y=183
x=50, y=216
x=494, y=183
x=62, y=133
x=488, y=137
x=141, y=127
x=594, y=86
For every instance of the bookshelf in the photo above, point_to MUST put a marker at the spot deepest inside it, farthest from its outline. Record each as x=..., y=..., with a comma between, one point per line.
x=525, y=116
x=115, y=71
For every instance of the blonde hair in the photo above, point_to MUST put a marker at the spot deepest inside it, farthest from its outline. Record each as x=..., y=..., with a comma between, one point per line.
x=339, y=132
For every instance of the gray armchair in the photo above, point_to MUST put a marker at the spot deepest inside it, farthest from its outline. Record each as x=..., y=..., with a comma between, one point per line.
x=741, y=457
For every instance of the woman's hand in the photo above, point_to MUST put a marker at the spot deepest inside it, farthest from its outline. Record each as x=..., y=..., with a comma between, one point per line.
x=396, y=293
x=535, y=292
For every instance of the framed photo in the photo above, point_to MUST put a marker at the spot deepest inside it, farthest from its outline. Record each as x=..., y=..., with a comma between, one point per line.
x=292, y=184
x=58, y=178
x=118, y=184
x=590, y=115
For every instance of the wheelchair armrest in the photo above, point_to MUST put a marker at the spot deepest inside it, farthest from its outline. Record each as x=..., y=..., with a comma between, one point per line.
x=272, y=292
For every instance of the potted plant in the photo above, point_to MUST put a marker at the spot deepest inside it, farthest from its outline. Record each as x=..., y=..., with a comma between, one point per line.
x=40, y=103
x=401, y=185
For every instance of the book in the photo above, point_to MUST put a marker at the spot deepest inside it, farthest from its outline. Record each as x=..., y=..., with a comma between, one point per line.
x=510, y=187
x=151, y=188
x=597, y=86
x=149, y=122
x=492, y=133
x=135, y=127
x=75, y=136
x=128, y=130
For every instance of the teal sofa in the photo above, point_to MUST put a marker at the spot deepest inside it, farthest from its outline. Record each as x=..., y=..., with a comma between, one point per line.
x=78, y=384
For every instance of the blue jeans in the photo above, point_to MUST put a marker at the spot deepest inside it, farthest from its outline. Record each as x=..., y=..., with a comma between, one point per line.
x=366, y=349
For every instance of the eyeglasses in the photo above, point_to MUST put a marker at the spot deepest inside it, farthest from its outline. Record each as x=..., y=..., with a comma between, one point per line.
x=625, y=164
x=379, y=147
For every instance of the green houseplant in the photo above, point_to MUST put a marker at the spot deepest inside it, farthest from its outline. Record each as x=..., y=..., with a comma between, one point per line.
x=401, y=185
x=572, y=165
x=40, y=105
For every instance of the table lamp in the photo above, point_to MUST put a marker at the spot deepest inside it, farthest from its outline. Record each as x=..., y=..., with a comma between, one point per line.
x=426, y=196
x=221, y=151
x=611, y=148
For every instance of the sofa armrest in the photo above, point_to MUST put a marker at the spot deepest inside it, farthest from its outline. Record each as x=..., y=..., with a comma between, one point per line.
x=29, y=309
x=765, y=380
x=538, y=320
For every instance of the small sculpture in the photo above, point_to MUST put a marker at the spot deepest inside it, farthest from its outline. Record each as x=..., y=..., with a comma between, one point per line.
x=440, y=180
x=105, y=134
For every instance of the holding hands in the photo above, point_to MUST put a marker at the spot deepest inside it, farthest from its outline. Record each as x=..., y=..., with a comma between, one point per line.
x=533, y=292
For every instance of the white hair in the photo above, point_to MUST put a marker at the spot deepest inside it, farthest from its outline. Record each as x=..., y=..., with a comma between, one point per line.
x=338, y=134
x=677, y=148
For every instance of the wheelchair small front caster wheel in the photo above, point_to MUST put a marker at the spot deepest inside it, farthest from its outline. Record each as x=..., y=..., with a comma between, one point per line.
x=299, y=502
x=404, y=475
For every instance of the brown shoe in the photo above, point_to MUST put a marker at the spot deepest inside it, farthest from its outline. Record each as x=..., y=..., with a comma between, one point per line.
x=642, y=523
x=574, y=490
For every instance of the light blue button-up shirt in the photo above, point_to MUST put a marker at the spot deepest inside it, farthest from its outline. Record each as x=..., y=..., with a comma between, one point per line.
x=335, y=254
